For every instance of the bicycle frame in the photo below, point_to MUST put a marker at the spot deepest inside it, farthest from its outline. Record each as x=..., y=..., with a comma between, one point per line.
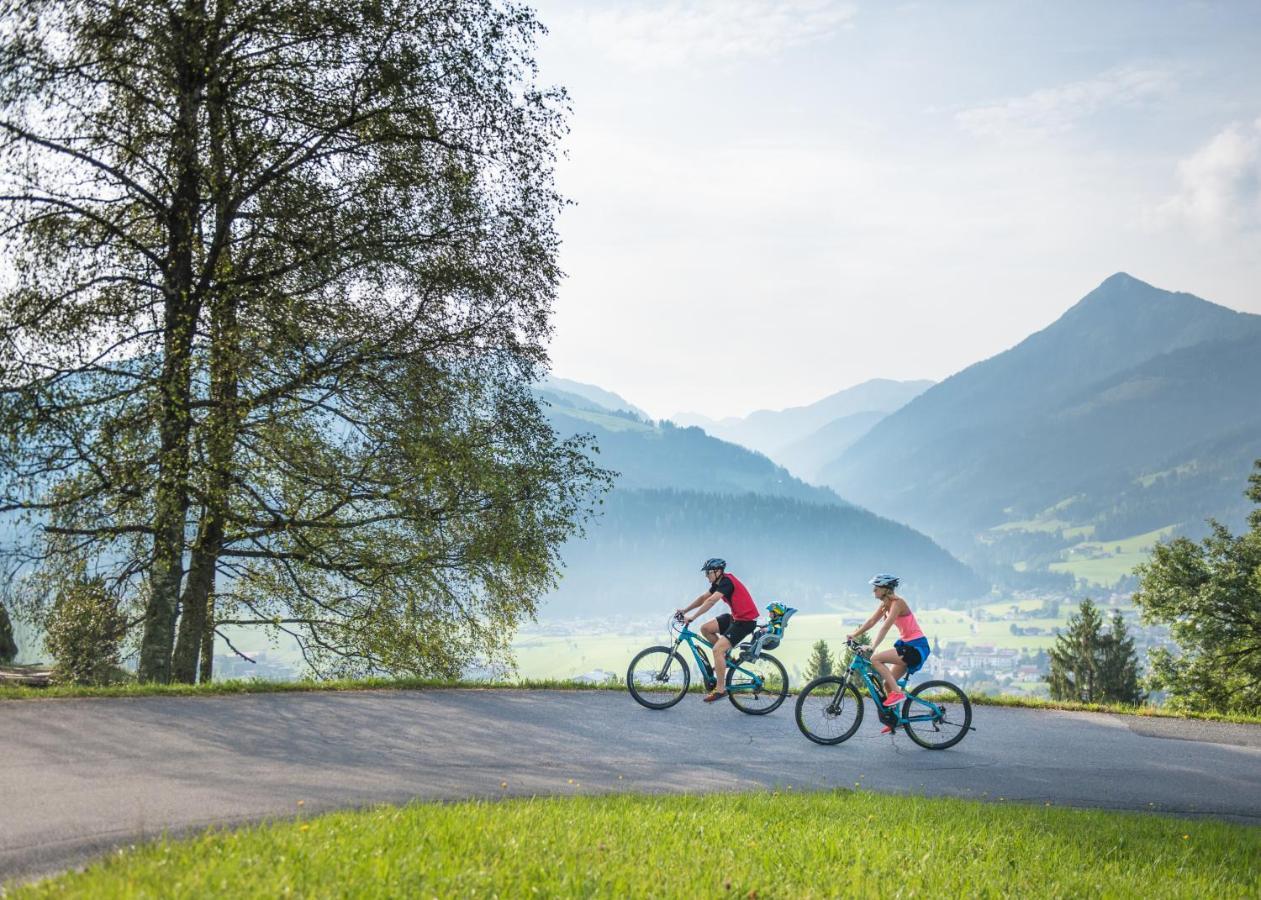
x=693, y=638
x=871, y=678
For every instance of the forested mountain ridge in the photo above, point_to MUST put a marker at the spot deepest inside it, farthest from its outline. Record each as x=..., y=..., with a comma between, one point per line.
x=642, y=556
x=682, y=496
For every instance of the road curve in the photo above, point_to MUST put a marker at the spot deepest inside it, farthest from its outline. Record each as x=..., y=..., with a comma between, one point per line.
x=79, y=777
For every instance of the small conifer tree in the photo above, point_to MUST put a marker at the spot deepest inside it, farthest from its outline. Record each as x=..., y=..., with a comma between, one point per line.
x=821, y=662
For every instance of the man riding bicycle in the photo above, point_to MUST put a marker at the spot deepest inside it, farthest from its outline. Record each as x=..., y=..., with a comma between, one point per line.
x=728, y=629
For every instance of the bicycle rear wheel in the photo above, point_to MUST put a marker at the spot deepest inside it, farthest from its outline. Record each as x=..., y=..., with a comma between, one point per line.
x=759, y=686
x=829, y=710
x=658, y=677
x=938, y=715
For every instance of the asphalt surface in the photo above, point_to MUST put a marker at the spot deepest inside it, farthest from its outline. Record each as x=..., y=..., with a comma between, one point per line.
x=80, y=777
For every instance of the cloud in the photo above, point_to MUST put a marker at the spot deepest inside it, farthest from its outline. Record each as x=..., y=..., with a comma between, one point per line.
x=680, y=32
x=1056, y=110
x=1220, y=184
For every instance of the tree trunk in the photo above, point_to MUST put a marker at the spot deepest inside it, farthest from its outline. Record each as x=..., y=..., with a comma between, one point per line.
x=179, y=330
x=194, y=604
x=208, y=642
x=223, y=418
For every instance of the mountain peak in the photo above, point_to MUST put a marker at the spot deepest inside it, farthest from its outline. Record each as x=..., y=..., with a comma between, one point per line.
x=1122, y=286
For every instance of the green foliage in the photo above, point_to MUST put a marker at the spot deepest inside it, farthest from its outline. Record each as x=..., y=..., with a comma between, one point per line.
x=1209, y=594
x=281, y=328
x=1093, y=666
x=630, y=846
x=821, y=662
x=8, y=644
x=84, y=631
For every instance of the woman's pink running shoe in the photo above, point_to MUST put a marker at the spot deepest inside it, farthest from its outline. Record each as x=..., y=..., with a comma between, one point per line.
x=894, y=699
x=888, y=729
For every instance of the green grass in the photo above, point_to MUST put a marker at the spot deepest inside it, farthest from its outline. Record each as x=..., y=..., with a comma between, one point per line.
x=765, y=844
x=1158, y=712
x=218, y=688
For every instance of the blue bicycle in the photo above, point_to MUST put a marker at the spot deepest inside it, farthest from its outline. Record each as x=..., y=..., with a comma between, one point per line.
x=935, y=714
x=757, y=683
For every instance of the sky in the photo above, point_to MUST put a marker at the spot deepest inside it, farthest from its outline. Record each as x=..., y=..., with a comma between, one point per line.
x=777, y=199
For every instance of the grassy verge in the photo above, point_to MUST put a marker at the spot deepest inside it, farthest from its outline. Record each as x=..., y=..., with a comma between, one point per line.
x=1159, y=712
x=767, y=844
x=215, y=688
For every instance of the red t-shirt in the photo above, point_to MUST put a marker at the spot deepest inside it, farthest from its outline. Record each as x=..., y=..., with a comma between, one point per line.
x=743, y=609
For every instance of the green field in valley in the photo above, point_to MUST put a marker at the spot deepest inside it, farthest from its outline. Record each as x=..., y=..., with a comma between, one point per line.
x=763, y=844
x=541, y=655
x=1105, y=562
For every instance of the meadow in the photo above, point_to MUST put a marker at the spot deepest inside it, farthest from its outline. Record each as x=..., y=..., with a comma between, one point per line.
x=763, y=844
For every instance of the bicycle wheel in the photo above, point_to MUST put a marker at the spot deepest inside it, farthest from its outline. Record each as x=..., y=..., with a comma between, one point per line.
x=759, y=686
x=944, y=723
x=829, y=710
x=658, y=677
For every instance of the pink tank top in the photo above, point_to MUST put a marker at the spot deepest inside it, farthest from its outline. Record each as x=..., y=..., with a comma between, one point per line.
x=908, y=627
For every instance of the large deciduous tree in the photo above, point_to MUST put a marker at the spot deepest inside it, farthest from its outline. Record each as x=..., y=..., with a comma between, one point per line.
x=281, y=273
x=1209, y=593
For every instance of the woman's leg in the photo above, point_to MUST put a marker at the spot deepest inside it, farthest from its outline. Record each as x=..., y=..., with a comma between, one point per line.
x=890, y=667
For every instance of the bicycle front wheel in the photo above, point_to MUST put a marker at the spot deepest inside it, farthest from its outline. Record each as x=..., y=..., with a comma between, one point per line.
x=758, y=686
x=658, y=677
x=829, y=710
x=938, y=715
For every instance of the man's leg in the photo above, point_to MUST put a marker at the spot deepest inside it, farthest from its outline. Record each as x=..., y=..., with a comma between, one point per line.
x=721, y=646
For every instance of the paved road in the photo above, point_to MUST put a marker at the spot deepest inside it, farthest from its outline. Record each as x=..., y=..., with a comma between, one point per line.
x=78, y=777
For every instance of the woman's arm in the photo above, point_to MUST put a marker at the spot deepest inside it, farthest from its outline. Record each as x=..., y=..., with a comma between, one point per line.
x=875, y=617
x=884, y=629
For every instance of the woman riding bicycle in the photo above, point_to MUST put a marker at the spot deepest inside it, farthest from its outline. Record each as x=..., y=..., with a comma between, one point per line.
x=909, y=651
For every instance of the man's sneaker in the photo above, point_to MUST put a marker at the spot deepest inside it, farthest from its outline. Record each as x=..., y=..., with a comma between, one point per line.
x=894, y=699
x=714, y=695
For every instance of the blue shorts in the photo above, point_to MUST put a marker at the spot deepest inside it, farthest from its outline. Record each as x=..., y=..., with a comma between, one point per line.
x=913, y=653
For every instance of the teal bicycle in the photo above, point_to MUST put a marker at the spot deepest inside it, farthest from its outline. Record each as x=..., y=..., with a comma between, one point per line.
x=659, y=676
x=936, y=714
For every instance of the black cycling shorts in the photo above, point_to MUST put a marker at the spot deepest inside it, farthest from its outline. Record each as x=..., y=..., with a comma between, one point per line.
x=735, y=630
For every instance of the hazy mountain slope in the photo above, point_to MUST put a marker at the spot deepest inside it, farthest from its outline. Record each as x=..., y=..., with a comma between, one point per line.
x=1116, y=386
x=772, y=430
x=807, y=456
x=593, y=394
x=666, y=456
x=642, y=557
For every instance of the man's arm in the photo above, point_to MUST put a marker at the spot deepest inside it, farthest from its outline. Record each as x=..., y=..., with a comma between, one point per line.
x=695, y=603
x=706, y=602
